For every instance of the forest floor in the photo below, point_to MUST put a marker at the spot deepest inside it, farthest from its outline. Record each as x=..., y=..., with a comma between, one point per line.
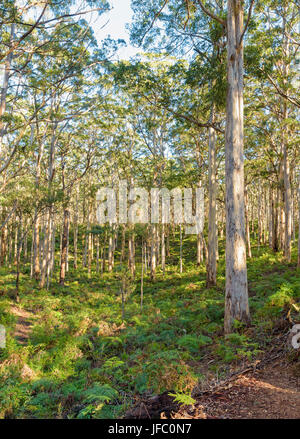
x=69, y=353
x=24, y=324
x=272, y=392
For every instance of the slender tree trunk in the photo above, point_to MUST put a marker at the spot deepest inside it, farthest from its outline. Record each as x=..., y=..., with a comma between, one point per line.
x=63, y=261
x=259, y=218
x=153, y=251
x=247, y=224
x=288, y=203
x=270, y=216
x=97, y=253
x=36, y=247
x=142, y=277
x=89, y=255
x=122, y=255
x=19, y=245
x=275, y=244
x=199, y=250
x=168, y=242
x=180, y=251
x=211, y=264
x=286, y=163
x=46, y=244
x=110, y=250
x=16, y=243
x=131, y=251
x=236, y=298
x=75, y=230
x=163, y=250
x=4, y=233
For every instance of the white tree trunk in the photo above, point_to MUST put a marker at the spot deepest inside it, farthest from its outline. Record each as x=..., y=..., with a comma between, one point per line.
x=211, y=264
x=236, y=299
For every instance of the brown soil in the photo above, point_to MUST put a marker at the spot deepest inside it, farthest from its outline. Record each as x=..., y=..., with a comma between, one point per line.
x=270, y=393
x=24, y=324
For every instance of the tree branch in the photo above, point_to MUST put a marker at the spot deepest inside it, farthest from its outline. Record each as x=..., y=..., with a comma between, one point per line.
x=153, y=21
x=9, y=215
x=211, y=14
x=247, y=21
x=281, y=93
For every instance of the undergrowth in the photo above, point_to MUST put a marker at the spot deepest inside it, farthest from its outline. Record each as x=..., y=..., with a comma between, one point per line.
x=82, y=360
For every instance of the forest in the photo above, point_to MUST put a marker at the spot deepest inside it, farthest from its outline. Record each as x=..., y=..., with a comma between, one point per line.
x=150, y=210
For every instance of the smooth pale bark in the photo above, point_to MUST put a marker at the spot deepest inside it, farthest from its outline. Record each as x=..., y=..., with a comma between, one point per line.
x=50, y=263
x=247, y=224
x=211, y=263
x=275, y=244
x=153, y=252
x=64, y=245
x=97, y=253
x=26, y=243
x=75, y=229
x=199, y=250
x=103, y=261
x=294, y=213
x=115, y=244
x=168, y=242
x=259, y=218
x=36, y=246
x=60, y=243
x=270, y=216
x=265, y=218
x=146, y=256
x=19, y=249
x=10, y=245
x=110, y=250
x=281, y=202
x=236, y=298
x=180, y=251
x=52, y=255
x=101, y=257
x=157, y=246
x=149, y=255
x=222, y=225
x=142, y=276
x=87, y=258
x=131, y=251
x=86, y=238
x=89, y=255
x=103, y=254
x=92, y=248
x=204, y=246
x=67, y=256
x=163, y=250
x=286, y=163
x=36, y=226
x=282, y=220
x=49, y=219
x=75, y=239
x=122, y=255
x=45, y=252
x=31, y=257
x=287, y=204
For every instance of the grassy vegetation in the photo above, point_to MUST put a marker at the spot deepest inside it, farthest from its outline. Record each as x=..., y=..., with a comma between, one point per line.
x=82, y=361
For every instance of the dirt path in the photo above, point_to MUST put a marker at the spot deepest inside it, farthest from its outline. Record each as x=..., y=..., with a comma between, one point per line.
x=270, y=393
x=24, y=324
